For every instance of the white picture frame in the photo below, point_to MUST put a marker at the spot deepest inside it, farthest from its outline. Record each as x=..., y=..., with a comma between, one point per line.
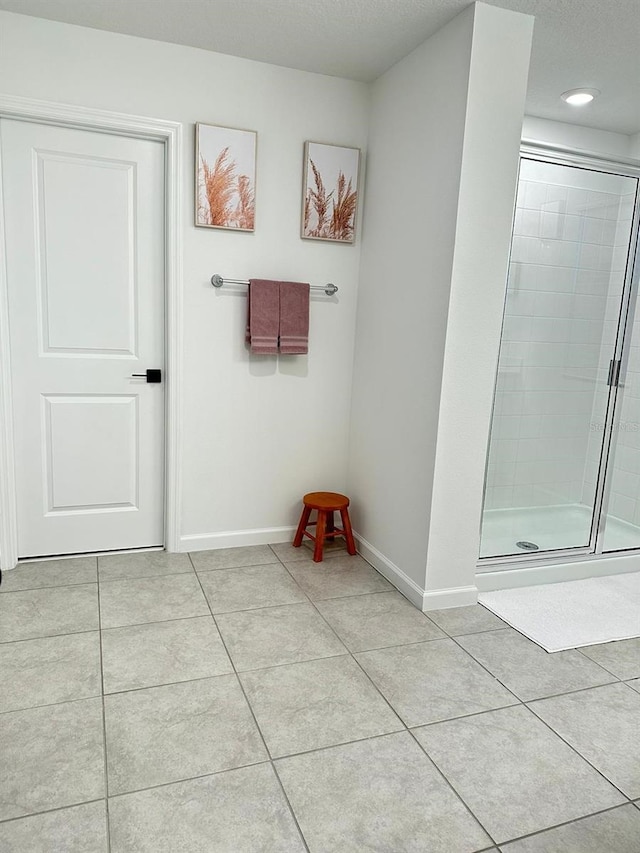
x=329, y=192
x=225, y=177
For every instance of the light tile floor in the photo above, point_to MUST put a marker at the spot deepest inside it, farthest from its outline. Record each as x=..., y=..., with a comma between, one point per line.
x=250, y=701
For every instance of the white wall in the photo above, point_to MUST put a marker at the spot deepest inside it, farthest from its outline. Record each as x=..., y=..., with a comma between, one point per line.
x=415, y=150
x=258, y=432
x=443, y=153
x=578, y=136
x=497, y=90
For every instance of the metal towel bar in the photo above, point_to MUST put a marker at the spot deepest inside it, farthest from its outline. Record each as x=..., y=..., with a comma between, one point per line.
x=218, y=281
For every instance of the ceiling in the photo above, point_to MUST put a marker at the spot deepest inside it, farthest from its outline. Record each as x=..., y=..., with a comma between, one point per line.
x=593, y=43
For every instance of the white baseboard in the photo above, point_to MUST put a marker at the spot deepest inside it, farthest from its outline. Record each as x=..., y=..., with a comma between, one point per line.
x=423, y=600
x=391, y=572
x=435, y=600
x=457, y=596
x=236, y=538
x=557, y=572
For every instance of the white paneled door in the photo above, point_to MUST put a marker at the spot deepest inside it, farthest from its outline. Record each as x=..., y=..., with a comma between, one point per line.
x=84, y=223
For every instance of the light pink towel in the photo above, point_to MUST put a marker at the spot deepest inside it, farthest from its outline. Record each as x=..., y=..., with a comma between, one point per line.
x=294, y=318
x=263, y=316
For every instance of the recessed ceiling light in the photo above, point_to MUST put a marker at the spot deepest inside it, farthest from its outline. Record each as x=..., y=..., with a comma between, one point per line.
x=580, y=97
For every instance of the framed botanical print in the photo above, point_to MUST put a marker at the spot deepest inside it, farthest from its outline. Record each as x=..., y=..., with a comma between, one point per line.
x=330, y=192
x=225, y=177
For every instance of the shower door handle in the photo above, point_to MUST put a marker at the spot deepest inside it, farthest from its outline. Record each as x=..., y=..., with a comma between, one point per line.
x=614, y=373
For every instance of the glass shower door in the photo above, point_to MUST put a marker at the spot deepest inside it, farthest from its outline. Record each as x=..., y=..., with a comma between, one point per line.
x=551, y=415
x=619, y=526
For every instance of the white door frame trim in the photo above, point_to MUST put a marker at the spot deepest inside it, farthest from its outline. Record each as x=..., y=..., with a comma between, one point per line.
x=170, y=134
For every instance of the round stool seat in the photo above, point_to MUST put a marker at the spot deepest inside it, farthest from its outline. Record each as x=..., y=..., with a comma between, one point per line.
x=326, y=500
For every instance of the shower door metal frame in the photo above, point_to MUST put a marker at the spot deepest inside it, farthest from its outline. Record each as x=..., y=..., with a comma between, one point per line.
x=617, y=374
x=625, y=167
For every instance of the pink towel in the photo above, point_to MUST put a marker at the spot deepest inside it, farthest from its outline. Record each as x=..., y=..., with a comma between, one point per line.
x=294, y=318
x=263, y=316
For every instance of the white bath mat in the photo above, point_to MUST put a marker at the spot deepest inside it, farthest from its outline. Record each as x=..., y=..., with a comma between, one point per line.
x=560, y=616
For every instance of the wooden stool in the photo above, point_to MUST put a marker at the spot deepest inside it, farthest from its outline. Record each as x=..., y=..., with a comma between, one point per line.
x=325, y=503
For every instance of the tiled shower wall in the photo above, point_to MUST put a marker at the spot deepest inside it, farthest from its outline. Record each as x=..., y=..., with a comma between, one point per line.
x=563, y=277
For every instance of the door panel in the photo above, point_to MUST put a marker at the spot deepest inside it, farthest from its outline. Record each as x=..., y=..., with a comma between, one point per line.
x=98, y=232
x=84, y=216
x=85, y=429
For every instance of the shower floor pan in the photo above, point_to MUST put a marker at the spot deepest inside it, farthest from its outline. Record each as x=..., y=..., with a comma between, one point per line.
x=550, y=528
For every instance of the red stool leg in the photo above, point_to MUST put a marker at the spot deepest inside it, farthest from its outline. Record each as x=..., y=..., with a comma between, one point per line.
x=331, y=526
x=302, y=526
x=320, y=532
x=348, y=532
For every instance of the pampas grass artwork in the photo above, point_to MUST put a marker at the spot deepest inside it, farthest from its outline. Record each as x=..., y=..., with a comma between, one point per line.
x=225, y=177
x=330, y=197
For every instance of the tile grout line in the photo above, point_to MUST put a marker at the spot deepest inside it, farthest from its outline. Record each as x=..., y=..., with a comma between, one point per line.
x=83, y=555
x=568, y=822
x=104, y=725
x=544, y=829
x=431, y=761
x=51, y=704
x=46, y=586
x=115, y=628
x=406, y=729
x=411, y=734
x=47, y=636
x=274, y=562
x=488, y=671
x=272, y=763
x=565, y=823
x=257, y=725
x=518, y=702
x=455, y=791
x=576, y=750
x=523, y=701
x=99, y=580
x=596, y=662
x=394, y=589
x=167, y=683
x=291, y=662
x=464, y=716
x=52, y=811
x=347, y=652
x=288, y=802
x=315, y=749
x=146, y=577
x=475, y=633
x=156, y=622
x=116, y=795
x=125, y=690
x=526, y=705
x=573, y=692
x=261, y=607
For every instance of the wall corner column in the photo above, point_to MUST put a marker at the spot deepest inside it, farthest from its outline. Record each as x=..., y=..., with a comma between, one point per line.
x=499, y=68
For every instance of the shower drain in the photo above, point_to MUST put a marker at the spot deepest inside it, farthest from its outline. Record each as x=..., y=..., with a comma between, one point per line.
x=527, y=546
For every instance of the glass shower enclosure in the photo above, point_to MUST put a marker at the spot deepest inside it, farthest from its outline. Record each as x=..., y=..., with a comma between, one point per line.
x=563, y=463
